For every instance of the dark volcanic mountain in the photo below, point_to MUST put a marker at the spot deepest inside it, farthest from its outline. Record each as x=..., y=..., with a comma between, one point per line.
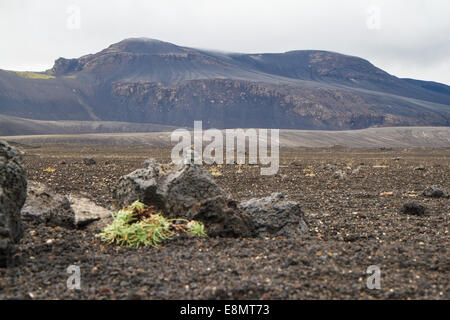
x=144, y=80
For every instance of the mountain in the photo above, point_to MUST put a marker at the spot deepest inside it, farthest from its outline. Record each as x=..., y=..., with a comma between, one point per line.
x=151, y=81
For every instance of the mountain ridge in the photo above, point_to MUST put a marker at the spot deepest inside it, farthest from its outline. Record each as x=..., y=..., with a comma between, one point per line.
x=152, y=81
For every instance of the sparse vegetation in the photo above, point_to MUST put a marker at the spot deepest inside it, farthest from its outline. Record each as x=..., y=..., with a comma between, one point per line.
x=215, y=172
x=196, y=228
x=32, y=75
x=140, y=225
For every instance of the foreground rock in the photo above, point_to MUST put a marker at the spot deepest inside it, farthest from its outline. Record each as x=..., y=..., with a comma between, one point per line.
x=222, y=218
x=414, y=208
x=174, y=189
x=47, y=207
x=434, y=192
x=274, y=216
x=142, y=185
x=183, y=191
x=54, y=209
x=13, y=186
x=87, y=212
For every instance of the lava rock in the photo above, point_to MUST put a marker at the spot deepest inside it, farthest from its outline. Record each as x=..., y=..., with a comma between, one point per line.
x=273, y=216
x=174, y=189
x=13, y=186
x=86, y=211
x=89, y=161
x=142, y=185
x=185, y=187
x=434, y=192
x=222, y=218
x=47, y=207
x=413, y=207
x=53, y=209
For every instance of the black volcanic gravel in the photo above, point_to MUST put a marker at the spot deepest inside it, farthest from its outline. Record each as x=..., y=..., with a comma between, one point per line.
x=354, y=222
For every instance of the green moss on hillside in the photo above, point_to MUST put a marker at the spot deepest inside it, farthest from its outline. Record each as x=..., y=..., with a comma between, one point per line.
x=32, y=75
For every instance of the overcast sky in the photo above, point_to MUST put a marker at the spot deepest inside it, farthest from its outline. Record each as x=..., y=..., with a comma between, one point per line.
x=407, y=38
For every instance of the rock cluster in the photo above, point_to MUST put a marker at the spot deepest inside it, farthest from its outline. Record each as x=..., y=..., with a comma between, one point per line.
x=186, y=190
x=54, y=209
x=182, y=191
x=13, y=186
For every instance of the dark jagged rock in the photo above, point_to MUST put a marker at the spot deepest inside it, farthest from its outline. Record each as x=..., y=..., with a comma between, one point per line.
x=187, y=186
x=414, y=208
x=434, y=192
x=273, y=216
x=142, y=185
x=222, y=218
x=171, y=188
x=13, y=188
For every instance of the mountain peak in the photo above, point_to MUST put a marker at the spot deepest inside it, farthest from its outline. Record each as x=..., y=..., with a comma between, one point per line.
x=128, y=47
x=143, y=45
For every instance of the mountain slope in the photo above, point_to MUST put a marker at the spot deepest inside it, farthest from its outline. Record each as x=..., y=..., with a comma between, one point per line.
x=398, y=137
x=150, y=81
x=12, y=126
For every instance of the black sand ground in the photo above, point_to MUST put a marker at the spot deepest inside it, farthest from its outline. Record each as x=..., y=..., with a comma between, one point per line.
x=354, y=222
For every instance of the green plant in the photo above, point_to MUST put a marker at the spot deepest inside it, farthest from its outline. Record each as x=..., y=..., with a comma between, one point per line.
x=139, y=225
x=196, y=228
x=33, y=75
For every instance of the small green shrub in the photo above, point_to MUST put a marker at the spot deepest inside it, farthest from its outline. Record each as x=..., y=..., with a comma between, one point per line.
x=139, y=225
x=196, y=228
